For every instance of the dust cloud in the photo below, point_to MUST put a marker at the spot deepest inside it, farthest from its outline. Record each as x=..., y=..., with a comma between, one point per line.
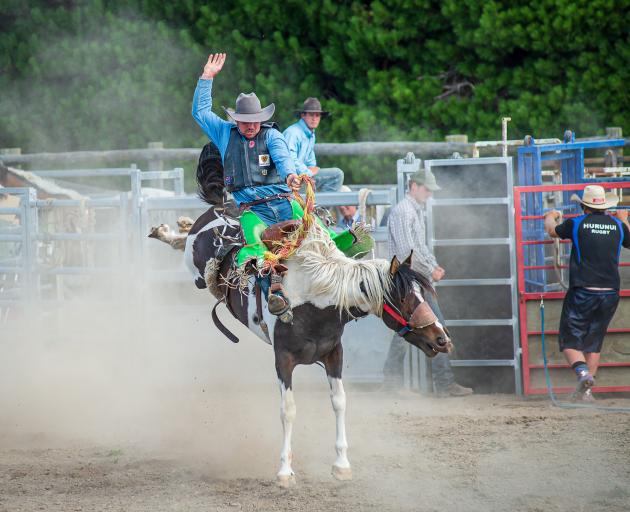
x=125, y=397
x=138, y=369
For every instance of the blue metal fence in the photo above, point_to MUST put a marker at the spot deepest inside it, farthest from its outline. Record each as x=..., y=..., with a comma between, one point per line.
x=569, y=156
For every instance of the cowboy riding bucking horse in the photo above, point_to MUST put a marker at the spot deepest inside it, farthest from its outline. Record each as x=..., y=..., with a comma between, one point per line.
x=260, y=174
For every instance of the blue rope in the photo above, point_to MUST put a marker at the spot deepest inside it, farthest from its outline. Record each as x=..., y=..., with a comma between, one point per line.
x=552, y=396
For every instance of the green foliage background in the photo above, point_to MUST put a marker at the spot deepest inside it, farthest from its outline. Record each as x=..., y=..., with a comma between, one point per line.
x=117, y=74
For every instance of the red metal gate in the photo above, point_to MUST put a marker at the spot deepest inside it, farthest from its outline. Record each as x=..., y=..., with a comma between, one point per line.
x=529, y=302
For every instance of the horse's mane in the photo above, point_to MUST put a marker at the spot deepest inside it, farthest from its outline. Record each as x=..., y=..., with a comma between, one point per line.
x=405, y=277
x=348, y=282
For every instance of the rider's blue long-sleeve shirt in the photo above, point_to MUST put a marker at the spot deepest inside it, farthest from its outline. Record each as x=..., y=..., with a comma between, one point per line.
x=218, y=130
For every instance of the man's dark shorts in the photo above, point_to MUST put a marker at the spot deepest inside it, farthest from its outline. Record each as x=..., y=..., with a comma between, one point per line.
x=585, y=318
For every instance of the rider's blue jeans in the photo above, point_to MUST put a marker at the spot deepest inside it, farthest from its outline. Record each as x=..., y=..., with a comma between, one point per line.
x=328, y=179
x=274, y=211
x=441, y=371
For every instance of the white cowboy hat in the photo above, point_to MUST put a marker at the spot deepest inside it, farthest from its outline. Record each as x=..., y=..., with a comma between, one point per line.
x=248, y=109
x=595, y=197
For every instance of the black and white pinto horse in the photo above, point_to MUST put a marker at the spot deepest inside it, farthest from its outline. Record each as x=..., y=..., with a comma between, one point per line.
x=326, y=290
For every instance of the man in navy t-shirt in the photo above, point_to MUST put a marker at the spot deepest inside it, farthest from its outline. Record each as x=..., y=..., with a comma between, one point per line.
x=594, y=284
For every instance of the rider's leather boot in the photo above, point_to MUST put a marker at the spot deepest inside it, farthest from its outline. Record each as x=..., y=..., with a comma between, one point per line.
x=277, y=302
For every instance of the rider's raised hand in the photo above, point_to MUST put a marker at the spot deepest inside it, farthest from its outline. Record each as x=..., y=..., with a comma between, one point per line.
x=213, y=66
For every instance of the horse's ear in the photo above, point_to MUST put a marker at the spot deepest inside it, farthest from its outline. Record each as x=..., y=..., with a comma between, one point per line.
x=407, y=262
x=394, y=266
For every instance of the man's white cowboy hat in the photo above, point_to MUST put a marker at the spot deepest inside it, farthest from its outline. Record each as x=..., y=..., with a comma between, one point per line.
x=595, y=197
x=248, y=109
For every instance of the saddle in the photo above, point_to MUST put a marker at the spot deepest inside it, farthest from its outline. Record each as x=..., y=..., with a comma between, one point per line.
x=273, y=236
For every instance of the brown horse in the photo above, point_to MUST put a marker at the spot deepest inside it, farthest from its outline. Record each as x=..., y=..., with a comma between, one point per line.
x=327, y=290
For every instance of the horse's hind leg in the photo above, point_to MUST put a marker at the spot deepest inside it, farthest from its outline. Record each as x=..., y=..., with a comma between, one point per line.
x=284, y=369
x=334, y=362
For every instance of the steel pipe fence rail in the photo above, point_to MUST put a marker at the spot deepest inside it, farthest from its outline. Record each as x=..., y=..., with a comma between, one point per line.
x=27, y=266
x=158, y=154
x=428, y=149
x=141, y=267
x=131, y=211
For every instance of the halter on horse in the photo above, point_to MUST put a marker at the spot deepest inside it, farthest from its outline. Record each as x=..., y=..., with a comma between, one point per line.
x=327, y=290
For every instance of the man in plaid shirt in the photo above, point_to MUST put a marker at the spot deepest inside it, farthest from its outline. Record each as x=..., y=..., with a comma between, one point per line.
x=407, y=232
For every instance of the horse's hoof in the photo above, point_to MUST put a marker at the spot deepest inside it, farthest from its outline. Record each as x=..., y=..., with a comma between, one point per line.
x=342, y=474
x=286, y=481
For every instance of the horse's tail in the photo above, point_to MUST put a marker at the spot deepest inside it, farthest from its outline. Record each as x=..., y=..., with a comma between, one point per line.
x=210, y=185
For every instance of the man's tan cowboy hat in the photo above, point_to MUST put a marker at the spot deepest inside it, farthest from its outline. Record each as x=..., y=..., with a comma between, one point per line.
x=248, y=109
x=426, y=178
x=312, y=105
x=596, y=198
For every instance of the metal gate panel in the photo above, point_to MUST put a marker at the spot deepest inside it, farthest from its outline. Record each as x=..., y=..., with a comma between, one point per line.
x=17, y=282
x=499, y=331
x=473, y=215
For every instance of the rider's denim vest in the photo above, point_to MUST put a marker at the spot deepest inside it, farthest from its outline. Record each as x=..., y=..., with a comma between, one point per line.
x=247, y=162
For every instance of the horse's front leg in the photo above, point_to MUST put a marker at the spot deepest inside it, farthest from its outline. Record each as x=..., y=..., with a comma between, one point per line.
x=284, y=367
x=334, y=362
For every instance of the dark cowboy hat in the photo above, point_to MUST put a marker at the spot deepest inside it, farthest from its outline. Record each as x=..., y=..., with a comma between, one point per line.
x=312, y=105
x=248, y=109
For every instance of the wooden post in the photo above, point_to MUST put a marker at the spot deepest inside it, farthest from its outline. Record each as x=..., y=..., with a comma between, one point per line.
x=461, y=137
x=614, y=132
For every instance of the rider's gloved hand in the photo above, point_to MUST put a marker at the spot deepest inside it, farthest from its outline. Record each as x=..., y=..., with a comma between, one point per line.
x=294, y=182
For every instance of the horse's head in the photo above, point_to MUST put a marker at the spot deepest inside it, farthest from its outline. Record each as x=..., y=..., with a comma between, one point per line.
x=406, y=311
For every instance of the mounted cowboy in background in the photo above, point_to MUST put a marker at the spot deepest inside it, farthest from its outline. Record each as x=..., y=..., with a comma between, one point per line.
x=301, y=140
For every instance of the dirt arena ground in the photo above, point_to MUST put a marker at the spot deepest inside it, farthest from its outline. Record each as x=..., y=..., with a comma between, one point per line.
x=99, y=415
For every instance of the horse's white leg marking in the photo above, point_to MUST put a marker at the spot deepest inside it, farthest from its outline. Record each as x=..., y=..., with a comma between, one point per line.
x=287, y=415
x=341, y=468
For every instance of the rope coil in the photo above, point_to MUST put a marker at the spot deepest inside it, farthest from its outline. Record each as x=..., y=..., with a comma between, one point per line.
x=289, y=244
